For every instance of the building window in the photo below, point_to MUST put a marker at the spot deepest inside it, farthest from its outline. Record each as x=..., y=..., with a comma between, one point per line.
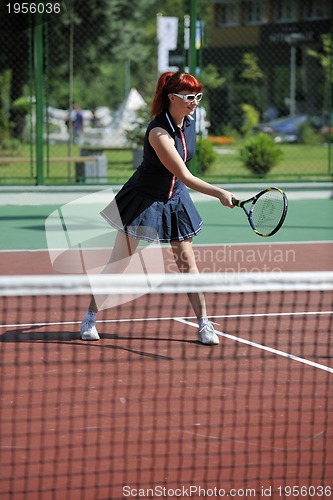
x=285, y=11
x=254, y=12
x=227, y=14
x=316, y=9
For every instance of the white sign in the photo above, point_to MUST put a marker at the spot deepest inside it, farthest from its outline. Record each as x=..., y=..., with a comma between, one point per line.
x=167, y=35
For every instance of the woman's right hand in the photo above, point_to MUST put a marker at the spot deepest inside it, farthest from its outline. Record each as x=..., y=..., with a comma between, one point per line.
x=226, y=198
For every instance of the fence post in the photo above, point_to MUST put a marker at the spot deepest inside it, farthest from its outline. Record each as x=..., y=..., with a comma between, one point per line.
x=38, y=42
x=193, y=57
x=330, y=105
x=193, y=21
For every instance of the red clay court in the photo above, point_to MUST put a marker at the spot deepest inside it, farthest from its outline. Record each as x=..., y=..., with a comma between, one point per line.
x=149, y=412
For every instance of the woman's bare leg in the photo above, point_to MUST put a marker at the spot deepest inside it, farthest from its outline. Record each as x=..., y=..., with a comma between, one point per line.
x=185, y=259
x=124, y=247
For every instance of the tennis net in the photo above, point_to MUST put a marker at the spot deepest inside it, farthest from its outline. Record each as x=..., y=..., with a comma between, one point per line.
x=149, y=412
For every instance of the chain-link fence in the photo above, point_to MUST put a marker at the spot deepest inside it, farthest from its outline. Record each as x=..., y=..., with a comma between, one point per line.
x=274, y=60
x=76, y=79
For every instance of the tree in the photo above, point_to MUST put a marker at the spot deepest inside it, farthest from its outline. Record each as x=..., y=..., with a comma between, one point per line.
x=113, y=45
x=102, y=35
x=324, y=56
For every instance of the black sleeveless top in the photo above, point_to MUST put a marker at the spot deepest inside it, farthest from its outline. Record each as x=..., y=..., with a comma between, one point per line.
x=152, y=177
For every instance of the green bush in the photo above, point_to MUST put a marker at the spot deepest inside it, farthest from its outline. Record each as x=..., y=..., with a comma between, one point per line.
x=206, y=153
x=260, y=153
x=308, y=135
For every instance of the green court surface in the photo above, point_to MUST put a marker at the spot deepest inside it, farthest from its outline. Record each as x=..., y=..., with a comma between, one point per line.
x=307, y=220
x=23, y=226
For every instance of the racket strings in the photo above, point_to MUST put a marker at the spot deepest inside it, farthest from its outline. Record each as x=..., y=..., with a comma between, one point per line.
x=268, y=211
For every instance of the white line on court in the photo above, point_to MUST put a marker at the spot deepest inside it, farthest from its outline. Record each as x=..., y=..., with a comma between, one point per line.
x=185, y=320
x=265, y=348
x=167, y=318
x=196, y=245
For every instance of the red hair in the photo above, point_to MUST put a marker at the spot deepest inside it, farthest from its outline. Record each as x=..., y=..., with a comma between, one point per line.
x=169, y=83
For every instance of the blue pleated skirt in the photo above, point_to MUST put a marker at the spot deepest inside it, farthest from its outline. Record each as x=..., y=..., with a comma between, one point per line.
x=154, y=220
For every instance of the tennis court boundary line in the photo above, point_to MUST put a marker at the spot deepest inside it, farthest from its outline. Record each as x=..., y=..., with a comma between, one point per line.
x=195, y=245
x=185, y=320
x=168, y=318
x=264, y=348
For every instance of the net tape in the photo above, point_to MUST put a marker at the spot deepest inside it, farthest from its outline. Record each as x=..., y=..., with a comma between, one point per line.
x=166, y=284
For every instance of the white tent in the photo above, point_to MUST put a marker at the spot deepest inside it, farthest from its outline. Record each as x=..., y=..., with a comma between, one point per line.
x=111, y=128
x=125, y=117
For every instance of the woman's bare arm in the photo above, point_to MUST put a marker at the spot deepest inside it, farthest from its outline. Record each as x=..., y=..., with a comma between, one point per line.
x=164, y=146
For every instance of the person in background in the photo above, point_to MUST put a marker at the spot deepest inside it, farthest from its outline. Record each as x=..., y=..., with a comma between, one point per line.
x=76, y=117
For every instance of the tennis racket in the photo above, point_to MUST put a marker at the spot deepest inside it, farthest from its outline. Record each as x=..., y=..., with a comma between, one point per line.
x=265, y=211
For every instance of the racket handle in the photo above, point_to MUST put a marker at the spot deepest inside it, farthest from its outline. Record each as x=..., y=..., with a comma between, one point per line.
x=236, y=202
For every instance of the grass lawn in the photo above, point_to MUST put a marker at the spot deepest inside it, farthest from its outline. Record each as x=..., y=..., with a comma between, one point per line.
x=300, y=162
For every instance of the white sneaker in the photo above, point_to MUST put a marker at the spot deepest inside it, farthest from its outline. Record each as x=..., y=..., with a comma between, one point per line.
x=88, y=330
x=207, y=334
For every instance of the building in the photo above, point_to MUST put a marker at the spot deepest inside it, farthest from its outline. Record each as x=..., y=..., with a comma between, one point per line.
x=280, y=34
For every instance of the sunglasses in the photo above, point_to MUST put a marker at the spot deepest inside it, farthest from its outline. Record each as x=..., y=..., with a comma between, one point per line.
x=190, y=97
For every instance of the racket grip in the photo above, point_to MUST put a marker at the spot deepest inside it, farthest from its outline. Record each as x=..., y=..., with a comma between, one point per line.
x=235, y=202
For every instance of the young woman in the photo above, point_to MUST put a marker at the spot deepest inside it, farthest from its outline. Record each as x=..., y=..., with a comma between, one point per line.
x=154, y=204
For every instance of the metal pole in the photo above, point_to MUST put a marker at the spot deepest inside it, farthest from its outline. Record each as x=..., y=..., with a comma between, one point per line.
x=330, y=103
x=70, y=90
x=193, y=51
x=193, y=59
x=31, y=93
x=292, y=80
x=38, y=30
x=293, y=39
